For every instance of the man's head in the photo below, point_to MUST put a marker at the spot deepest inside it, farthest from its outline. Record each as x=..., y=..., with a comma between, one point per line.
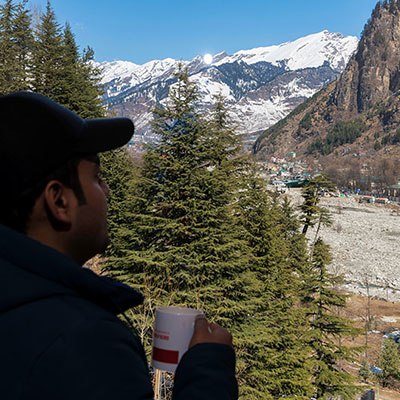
x=50, y=173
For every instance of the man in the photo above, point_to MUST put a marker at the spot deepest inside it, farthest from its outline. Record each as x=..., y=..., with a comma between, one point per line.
x=59, y=334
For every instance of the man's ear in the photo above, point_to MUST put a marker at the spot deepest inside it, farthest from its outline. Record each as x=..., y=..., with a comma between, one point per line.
x=59, y=204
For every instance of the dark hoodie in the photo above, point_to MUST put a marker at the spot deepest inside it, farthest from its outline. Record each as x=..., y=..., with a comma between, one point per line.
x=60, y=337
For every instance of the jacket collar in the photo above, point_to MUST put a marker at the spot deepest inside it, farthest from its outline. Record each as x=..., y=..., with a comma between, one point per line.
x=51, y=265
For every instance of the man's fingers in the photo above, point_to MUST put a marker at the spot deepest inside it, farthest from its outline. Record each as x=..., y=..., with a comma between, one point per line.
x=201, y=323
x=205, y=332
x=213, y=326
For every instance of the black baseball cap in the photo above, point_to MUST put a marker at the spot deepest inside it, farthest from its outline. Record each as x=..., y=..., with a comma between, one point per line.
x=37, y=136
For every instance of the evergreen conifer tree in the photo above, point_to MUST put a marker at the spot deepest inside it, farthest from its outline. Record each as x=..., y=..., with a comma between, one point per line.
x=24, y=42
x=16, y=43
x=8, y=49
x=312, y=213
x=364, y=371
x=47, y=61
x=290, y=226
x=119, y=172
x=47, y=71
x=81, y=90
x=70, y=70
x=275, y=335
x=180, y=242
x=224, y=143
x=91, y=104
x=327, y=328
x=389, y=362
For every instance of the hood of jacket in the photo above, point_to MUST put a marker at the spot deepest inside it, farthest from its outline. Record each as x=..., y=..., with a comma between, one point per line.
x=31, y=271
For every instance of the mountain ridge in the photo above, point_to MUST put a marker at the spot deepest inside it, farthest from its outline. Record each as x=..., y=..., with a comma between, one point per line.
x=261, y=85
x=359, y=114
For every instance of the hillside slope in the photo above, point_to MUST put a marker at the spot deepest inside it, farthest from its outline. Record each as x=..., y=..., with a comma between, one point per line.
x=356, y=115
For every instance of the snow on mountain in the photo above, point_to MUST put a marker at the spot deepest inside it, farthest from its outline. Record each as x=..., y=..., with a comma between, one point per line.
x=261, y=85
x=254, y=114
x=122, y=75
x=117, y=69
x=209, y=88
x=308, y=52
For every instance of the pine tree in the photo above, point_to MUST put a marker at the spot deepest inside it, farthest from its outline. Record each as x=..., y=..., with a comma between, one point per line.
x=327, y=328
x=290, y=226
x=389, y=362
x=180, y=243
x=24, y=42
x=312, y=213
x=70, y=70
x=8, y=50
x=81, y=90
x=275, y=336
x=47, y=71
x=16, y=42
x=364, y=371
x=225, y=143
x=120, y=174
x=47, y=61
x=91, y=104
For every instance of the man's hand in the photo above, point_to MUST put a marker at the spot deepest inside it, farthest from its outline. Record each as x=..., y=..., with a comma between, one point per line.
x=204, y=332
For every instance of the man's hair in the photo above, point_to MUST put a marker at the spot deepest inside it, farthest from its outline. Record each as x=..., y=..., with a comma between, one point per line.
x=15, y=212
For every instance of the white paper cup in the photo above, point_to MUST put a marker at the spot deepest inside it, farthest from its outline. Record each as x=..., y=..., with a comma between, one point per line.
x=173, y=329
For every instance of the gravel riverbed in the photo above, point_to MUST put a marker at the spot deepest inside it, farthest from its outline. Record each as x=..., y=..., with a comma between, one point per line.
x=365, y=244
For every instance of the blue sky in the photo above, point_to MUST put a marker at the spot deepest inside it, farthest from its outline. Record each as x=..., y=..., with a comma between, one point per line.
x=140, y=31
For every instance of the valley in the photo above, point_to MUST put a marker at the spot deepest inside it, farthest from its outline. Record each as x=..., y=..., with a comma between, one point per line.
x=365, y=244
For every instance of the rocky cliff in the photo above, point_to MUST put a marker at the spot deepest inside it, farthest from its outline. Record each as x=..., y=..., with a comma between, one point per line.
x=359, y=113
x=373, y=73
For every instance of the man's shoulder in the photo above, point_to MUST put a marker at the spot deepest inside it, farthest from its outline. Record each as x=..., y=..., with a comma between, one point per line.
x=48, y=338
x=102, y=350
x=42, y=321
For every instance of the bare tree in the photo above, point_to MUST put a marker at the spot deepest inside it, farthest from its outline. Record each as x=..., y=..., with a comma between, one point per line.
x=385, y=173
x=367, y=317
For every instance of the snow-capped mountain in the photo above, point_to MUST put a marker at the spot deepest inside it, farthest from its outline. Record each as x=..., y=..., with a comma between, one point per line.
x=261, y=85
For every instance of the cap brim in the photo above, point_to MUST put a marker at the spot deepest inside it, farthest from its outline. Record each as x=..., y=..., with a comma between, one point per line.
x=105, y=134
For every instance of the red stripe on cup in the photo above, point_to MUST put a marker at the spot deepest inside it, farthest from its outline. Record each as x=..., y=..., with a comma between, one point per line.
x=166, y=356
